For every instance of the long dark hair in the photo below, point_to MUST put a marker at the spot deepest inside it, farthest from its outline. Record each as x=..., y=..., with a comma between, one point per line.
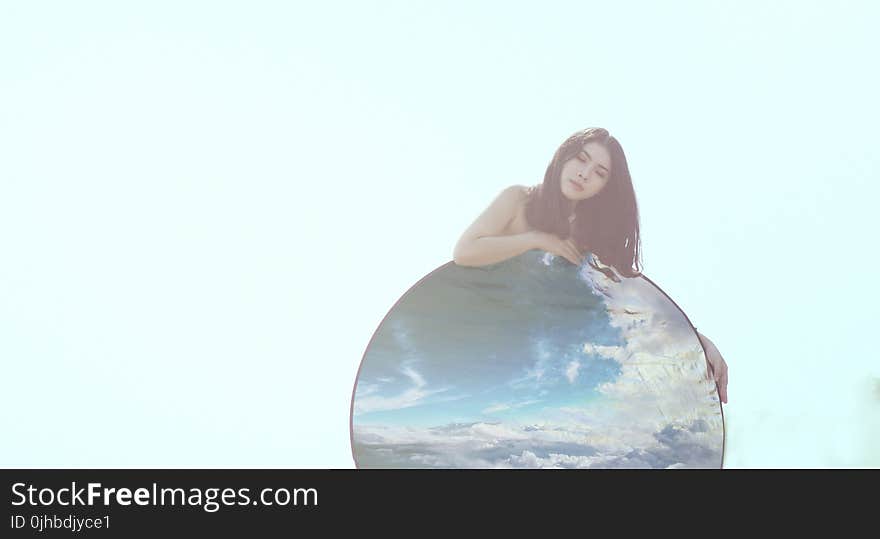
x=606, y=224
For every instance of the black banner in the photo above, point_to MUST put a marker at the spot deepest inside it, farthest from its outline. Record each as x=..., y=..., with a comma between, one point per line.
x=124, y=503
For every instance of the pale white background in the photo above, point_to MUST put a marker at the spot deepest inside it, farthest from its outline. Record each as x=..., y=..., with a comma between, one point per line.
x=206, y=208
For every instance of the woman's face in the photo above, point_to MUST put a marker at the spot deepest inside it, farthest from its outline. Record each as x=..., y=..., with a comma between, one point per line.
x=584, y=175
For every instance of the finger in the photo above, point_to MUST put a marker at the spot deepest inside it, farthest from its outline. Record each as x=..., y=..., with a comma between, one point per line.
x=566, y=255
x=721, y=385
x=570, y=255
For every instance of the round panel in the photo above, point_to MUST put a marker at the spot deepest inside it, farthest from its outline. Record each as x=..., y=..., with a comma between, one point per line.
x=534, y=362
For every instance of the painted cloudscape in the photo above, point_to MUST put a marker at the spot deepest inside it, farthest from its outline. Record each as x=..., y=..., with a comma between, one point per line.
x=535, y=363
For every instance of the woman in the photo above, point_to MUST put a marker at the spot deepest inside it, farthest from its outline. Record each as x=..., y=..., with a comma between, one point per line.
x=586, y=203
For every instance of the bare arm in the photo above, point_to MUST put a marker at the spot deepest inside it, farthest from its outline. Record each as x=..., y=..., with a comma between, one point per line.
x=481, y=244
x=491, y=249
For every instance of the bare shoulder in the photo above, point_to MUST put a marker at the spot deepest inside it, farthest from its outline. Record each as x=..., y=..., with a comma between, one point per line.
x=514, y=199
x=518, y=196
x=509, y=200
x=518, y=193
x=523, y=190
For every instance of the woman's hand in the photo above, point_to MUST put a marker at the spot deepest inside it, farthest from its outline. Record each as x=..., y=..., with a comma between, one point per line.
x=717, y=367
x=560, y=247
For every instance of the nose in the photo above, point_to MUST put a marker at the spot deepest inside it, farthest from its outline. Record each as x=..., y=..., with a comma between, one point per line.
x=585, y=172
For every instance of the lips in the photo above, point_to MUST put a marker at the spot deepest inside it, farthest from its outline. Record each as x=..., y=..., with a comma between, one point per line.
x=576, y=186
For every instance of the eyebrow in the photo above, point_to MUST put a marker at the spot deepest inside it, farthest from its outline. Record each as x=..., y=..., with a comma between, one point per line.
x=590, y=156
